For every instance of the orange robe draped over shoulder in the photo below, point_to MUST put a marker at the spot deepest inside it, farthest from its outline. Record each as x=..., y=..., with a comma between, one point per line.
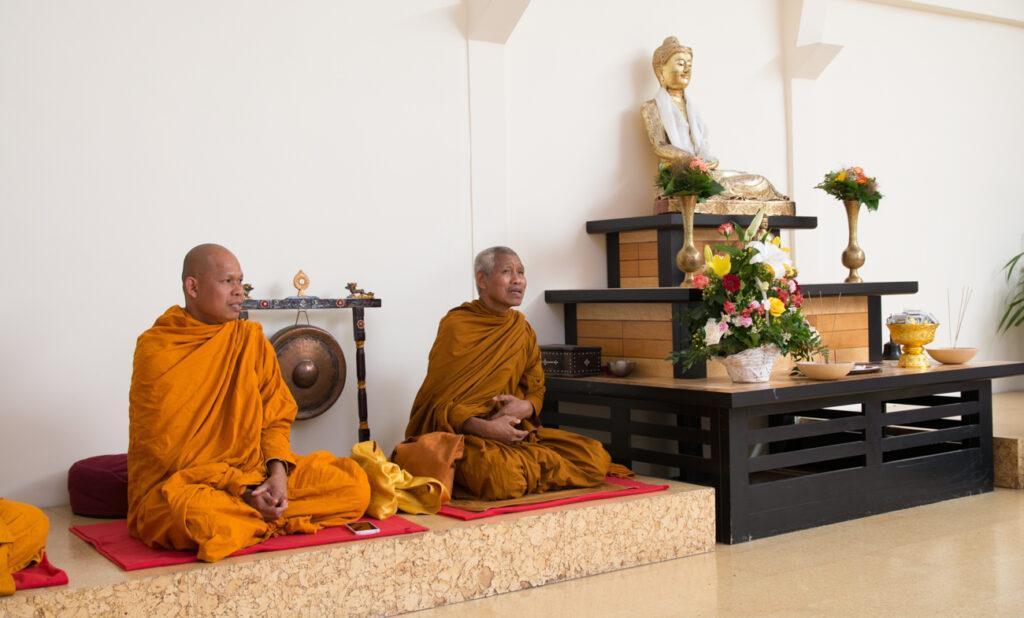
x=208, y=410
x=477, y=355
x=23, y=530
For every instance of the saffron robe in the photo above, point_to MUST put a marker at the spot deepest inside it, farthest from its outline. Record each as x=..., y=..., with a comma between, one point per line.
x=479, y=354
x=208, y=411
x=23, y=530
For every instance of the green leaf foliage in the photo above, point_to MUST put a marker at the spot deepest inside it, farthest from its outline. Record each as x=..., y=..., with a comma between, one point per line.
x=1014, y=313
x=851, y=184
x=687, y=179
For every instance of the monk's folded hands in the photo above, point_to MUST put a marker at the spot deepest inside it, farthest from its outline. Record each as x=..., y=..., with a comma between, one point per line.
x=501, y=428
x=510, y=405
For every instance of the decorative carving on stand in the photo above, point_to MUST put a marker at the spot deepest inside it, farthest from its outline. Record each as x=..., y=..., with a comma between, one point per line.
x=301, y=282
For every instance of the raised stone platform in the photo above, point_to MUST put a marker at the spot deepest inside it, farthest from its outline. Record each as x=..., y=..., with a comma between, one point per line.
x=455, y=561
x=1008, y=443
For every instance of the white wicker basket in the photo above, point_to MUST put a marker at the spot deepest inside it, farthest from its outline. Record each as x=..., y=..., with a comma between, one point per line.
x=753, y=365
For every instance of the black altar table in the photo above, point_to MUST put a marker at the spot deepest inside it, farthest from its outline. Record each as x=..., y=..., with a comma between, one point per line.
x=795, y=453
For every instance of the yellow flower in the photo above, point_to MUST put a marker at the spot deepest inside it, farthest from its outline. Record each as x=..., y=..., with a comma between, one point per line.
x=707, y=254
x=841, y=176
x=721, y=264
x=777, y=241
x=776, y=307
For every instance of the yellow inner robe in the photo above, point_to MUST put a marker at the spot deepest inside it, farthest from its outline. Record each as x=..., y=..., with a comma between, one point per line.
x=23, y=530
x=208, y=410
x=477, y=355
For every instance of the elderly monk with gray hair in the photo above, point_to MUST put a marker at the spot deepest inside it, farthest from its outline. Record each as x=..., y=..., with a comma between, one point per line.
x=210, y=464
x=485, y=381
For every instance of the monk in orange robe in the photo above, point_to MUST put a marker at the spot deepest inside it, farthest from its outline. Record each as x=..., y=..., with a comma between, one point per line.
x=23, y=530
x=210, y=465
x=485, y=381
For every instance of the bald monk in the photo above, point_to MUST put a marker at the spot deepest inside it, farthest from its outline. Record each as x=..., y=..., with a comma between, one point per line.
x=23, y=530
x=485, y=381
x=210, y=465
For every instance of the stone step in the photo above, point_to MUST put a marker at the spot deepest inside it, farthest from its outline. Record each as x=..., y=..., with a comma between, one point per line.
x=454, y=561
x=1008, y=443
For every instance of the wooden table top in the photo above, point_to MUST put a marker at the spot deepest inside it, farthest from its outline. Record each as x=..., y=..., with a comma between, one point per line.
x=722, y=391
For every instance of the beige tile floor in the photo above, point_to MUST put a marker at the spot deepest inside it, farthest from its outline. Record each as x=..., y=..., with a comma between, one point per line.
x=962, y=557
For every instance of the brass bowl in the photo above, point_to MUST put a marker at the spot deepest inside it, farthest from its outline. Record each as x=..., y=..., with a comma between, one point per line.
x=952, y=356
x=913, y=338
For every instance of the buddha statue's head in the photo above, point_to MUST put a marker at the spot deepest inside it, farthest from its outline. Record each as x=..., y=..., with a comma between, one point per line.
x=673, y=63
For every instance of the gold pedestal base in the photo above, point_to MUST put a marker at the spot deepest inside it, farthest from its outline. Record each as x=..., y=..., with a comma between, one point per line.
x=663, y=205
x=913, y=357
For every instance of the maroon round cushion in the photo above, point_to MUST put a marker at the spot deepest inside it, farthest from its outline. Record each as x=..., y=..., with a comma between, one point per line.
x=98, y=486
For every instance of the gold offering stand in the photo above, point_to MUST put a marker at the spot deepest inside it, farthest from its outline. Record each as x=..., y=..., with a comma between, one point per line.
x=357, y=301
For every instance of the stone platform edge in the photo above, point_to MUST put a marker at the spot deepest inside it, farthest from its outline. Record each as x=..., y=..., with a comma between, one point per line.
x=453, y=562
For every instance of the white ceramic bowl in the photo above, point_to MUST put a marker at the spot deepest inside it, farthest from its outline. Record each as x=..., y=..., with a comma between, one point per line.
x=825, y=371
x=952, y=356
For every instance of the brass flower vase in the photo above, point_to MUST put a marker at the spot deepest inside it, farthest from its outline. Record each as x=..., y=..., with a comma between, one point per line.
x=689, y=260
x=853, y=255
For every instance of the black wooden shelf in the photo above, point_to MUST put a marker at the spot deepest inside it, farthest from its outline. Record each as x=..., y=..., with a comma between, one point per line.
x=675, y=221
x=682, y=295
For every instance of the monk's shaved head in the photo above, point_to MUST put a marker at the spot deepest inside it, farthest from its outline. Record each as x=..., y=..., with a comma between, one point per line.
x=198, y=258
x=211, y=279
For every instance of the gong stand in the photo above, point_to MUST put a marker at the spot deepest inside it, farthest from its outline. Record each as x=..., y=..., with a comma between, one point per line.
x=358, y=329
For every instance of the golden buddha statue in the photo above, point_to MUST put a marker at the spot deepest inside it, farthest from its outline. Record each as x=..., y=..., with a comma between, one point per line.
x=677, y=133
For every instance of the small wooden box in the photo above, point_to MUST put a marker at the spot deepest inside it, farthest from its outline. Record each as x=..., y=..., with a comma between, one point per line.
x=570, y=361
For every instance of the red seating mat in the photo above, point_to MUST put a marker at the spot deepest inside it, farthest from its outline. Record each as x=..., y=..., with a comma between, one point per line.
x=629, y=487
x=39, y=576
x=113, y=541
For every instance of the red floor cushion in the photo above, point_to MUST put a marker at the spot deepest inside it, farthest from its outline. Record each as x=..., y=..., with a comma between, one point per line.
x=98, y=486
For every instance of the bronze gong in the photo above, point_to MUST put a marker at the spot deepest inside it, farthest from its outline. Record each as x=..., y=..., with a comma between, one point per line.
x=313, y=366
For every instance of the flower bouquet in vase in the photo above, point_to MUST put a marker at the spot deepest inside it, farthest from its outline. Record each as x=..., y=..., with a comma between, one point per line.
x=749, y=312
x=690, y=181
x=852, y=187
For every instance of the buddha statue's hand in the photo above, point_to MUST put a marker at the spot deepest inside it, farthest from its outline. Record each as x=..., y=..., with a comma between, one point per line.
x=510, y=405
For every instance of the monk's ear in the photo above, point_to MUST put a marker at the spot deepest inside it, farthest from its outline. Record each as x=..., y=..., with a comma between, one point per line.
x=481, y=280
x=191, y=287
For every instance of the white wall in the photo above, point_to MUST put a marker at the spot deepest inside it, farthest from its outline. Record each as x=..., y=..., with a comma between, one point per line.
x=930, y=104
x=334, y=137
x=322, y=135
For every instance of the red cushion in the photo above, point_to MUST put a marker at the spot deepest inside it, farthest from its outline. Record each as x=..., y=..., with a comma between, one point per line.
x=98, y=486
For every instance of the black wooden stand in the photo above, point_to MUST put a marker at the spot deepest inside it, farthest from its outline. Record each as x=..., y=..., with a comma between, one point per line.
x=357, y=305
x=794, y=453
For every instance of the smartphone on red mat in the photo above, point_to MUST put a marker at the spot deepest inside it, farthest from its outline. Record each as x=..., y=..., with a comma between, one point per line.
x=362, y=528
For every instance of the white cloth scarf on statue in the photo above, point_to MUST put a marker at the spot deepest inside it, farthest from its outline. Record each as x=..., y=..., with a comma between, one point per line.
x=689, y=135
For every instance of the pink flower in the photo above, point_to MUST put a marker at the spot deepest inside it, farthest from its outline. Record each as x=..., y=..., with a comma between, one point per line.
x=783, y=295
x=729, y=307
x=723, y=327
x=792, y=286
x=698, y=163
x=743, y=321
x=725, y=229
x=700, y=281
x=754, y=304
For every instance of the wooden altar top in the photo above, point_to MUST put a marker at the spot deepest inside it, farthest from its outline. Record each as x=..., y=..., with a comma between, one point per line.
x=723, y=392
x=677, y=294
